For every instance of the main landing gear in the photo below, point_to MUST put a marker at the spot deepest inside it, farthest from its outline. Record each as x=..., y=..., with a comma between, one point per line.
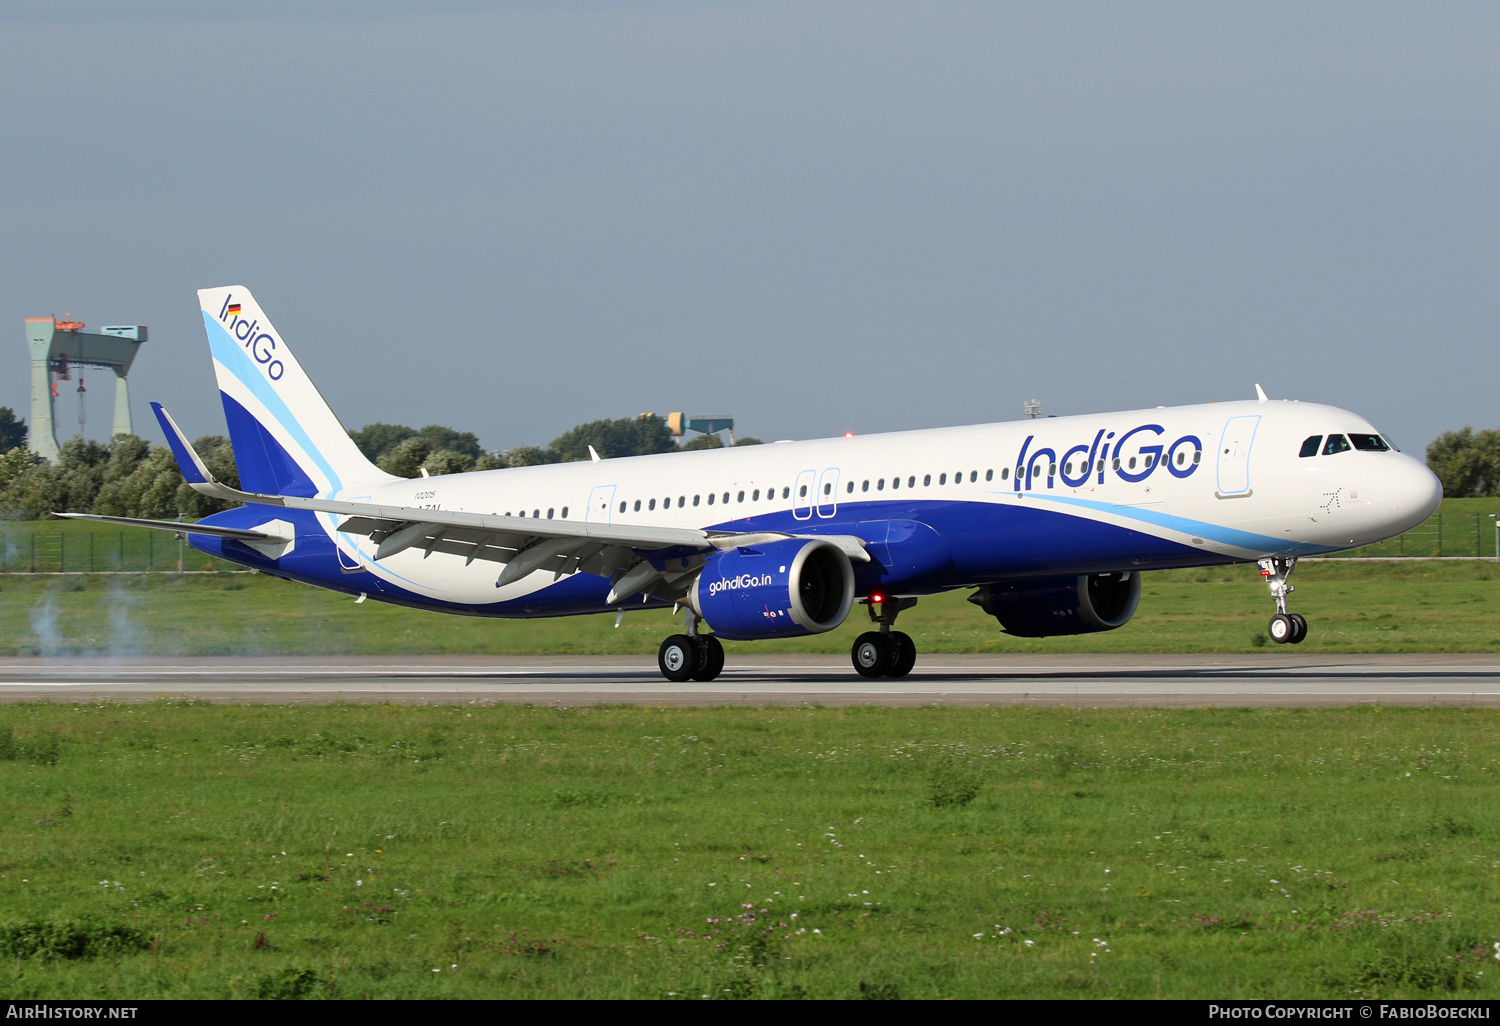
x=884, y=653
x=690, y=656
x=1285, y=628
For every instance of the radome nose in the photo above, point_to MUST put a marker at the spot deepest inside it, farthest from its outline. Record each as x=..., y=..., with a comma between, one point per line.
x=1412, y=491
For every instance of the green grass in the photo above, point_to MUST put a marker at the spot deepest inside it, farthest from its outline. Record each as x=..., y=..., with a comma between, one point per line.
x=1353, y=607
x=178, y=850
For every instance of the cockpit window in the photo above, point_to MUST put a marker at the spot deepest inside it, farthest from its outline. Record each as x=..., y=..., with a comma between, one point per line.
x=1335, y=443
x=1310, y=447
x=1370, y=443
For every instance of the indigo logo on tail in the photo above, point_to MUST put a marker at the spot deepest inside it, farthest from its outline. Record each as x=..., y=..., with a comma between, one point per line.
x=259, y=343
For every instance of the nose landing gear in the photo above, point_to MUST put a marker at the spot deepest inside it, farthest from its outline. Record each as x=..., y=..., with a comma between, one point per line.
x=1285, y=628
x=885, y=653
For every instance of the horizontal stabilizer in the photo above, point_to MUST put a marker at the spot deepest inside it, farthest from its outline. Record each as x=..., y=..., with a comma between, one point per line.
x=177, y=526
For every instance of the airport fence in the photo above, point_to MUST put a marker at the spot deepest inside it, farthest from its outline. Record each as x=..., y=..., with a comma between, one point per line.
x=95, y=551
x=1445, y=533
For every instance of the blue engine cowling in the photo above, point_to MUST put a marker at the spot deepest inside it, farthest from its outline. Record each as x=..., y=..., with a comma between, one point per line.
x=785, y=589
x=1062, y=605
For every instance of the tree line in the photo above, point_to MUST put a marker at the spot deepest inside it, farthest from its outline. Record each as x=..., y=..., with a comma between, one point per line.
x=1467, y=462
x=129, y=477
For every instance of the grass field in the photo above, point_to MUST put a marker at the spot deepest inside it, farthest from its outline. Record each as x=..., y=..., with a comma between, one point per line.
x=1352, y=606
x=174, y=850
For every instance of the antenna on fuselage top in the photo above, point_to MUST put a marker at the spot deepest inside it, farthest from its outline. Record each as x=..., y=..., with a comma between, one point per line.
x=1033, y=408
x=1260, y=393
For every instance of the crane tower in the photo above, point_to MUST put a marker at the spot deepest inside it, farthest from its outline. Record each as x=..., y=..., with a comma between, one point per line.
x=60, y=346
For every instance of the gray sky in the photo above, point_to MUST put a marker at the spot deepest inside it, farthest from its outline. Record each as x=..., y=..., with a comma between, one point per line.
x=815, y=216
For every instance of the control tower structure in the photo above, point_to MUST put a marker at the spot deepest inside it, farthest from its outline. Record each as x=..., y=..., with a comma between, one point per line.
x=57, y=347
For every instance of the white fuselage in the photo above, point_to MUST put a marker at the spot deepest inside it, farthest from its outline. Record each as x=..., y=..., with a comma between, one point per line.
x=1201, y=485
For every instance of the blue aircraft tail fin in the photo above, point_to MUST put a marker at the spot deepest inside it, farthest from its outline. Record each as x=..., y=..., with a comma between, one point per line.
x=286, y=439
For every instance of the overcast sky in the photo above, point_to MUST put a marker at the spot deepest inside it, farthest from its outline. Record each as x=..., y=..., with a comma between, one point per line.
x=813, y=216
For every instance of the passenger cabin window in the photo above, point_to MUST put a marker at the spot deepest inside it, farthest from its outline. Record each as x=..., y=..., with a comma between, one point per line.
x=1370, y=443
x=622, y=506
x=911, y=482
x=710, y=498
x=850, y=489
x=755, y=495
x=989, y=475
x=1336, y=443
x=549, y=514
x=637, y=505
x=651, y=504
x=786, y=493
x=802, y=492
x=942, y=479
x=880, y=485
x=865, y=487
x=740, y=497
x=1005, y=473
x=1310, y=447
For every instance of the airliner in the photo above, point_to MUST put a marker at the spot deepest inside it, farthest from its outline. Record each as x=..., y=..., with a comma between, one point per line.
x=1050, y=522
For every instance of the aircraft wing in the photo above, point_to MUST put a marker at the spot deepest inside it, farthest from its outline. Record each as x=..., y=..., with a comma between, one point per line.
x=622, y=552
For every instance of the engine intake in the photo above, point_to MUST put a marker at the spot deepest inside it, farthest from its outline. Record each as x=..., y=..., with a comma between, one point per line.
x=1062, y=605
x=786, y=589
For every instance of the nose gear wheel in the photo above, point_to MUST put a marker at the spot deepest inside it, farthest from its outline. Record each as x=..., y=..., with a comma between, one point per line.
x=1285, y=628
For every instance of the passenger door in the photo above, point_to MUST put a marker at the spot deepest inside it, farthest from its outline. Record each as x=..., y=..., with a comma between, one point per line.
x=802, y=495
x=828, y=493
x=601, y=504
x=1234, y=456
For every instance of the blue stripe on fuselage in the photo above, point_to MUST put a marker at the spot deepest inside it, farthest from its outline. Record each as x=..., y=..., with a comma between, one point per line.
x=1215, y=532
x=918, y=547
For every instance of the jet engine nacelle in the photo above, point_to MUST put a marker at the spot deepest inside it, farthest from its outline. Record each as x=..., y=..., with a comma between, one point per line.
x=1062, y=605
x=785, y=589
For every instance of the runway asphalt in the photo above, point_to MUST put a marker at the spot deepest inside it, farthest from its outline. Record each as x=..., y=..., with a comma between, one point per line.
x=1271, y=679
